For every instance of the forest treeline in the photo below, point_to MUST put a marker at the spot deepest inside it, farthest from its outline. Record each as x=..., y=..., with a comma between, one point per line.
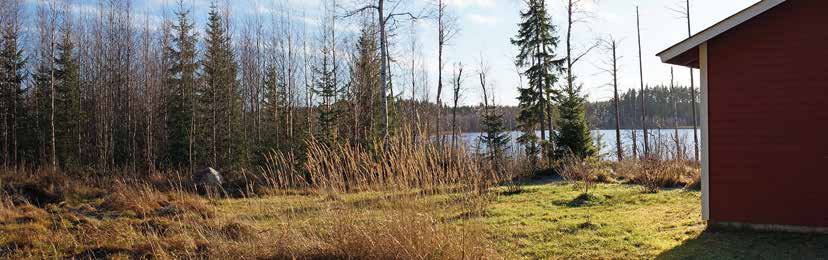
x=102, y=90
x=113, y=88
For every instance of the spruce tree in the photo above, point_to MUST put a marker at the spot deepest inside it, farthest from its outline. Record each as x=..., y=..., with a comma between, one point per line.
x=70, y=116
x=42, y=108
x=574, y=136
x=180, y=97
x=12, y=75
x=328, y=91
x=495, y=136
x=536, y=41
x=220, y=96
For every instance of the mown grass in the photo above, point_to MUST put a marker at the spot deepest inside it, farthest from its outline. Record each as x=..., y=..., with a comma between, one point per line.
x=616, y=221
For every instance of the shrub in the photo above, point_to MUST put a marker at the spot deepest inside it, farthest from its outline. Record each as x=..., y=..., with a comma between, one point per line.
x=581, y=172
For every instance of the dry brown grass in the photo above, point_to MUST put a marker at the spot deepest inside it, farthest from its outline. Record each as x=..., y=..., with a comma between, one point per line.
x=402, y=164
x=138, y=221
x=654, y=175
x=342, y=202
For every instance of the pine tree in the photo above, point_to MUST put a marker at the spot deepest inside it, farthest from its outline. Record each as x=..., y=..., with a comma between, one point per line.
x=328, y=90
x=180, y=100
x=537, y=41
x=574, y=136
x=70, y=116
x=221, y=97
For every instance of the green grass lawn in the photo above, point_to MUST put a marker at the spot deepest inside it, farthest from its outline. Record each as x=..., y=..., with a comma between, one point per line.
x=621, y=221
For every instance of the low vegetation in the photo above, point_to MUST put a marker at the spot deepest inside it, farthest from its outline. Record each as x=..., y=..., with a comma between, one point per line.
x=547, y=219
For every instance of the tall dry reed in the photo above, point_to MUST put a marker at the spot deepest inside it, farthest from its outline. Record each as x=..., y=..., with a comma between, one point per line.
x=400, y=164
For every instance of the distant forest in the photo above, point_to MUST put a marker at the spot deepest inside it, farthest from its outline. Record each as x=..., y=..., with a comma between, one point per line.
x=601, y=115
x=661, y=110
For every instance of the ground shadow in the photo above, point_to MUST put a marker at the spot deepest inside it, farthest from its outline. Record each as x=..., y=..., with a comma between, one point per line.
x=743, y=244
x=543, y=179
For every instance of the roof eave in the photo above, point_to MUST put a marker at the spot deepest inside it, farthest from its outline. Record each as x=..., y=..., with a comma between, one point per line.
x=693, y=42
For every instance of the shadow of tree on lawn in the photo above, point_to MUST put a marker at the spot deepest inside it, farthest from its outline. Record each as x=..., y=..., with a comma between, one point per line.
x=743, y=244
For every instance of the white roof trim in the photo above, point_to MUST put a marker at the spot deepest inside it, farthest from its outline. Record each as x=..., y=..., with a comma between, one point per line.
x=718, y=29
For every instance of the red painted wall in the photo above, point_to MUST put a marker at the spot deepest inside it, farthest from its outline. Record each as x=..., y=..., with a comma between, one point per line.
x=768, y=101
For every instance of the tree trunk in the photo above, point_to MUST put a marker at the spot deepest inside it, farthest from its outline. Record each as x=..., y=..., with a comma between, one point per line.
x=619, y=149
x=383, y=68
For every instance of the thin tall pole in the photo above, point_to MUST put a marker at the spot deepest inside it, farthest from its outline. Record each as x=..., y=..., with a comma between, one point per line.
x=643, y=92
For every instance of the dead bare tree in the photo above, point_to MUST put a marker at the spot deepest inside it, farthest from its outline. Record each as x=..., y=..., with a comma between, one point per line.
x=611, y=46
x=457, y=87
x=446, y=30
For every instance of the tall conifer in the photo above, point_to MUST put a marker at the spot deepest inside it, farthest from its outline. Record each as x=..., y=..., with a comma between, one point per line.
x=536, y=40
x=12, y=66
x=574, y=136
x=180, y=100
x=328, y=91
x=70, y=116
x=220, y=96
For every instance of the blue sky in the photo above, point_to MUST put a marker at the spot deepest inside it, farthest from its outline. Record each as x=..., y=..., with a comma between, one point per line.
x=487, y=25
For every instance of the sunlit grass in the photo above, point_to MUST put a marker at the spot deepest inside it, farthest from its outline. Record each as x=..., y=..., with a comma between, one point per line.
x=618, y=221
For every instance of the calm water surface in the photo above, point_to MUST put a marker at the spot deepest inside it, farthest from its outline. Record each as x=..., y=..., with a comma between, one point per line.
x=661, y=138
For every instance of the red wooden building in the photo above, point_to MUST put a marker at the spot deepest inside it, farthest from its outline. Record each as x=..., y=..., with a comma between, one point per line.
x=764, y=114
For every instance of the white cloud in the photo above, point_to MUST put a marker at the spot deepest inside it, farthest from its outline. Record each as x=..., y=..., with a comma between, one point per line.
x=482, y=19
x=471, y=3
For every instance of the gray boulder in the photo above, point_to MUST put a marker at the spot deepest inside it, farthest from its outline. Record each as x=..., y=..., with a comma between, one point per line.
x=208, y=177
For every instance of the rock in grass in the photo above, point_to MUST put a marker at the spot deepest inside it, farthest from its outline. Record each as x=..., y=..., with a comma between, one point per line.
x=208, y=177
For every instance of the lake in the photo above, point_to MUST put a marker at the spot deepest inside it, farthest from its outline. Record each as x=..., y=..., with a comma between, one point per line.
x=661, y=141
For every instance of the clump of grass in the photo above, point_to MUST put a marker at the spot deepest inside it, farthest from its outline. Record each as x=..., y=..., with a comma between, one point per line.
x=655, y=174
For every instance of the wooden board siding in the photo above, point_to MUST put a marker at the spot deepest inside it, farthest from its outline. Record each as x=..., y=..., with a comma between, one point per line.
x=768, y=102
